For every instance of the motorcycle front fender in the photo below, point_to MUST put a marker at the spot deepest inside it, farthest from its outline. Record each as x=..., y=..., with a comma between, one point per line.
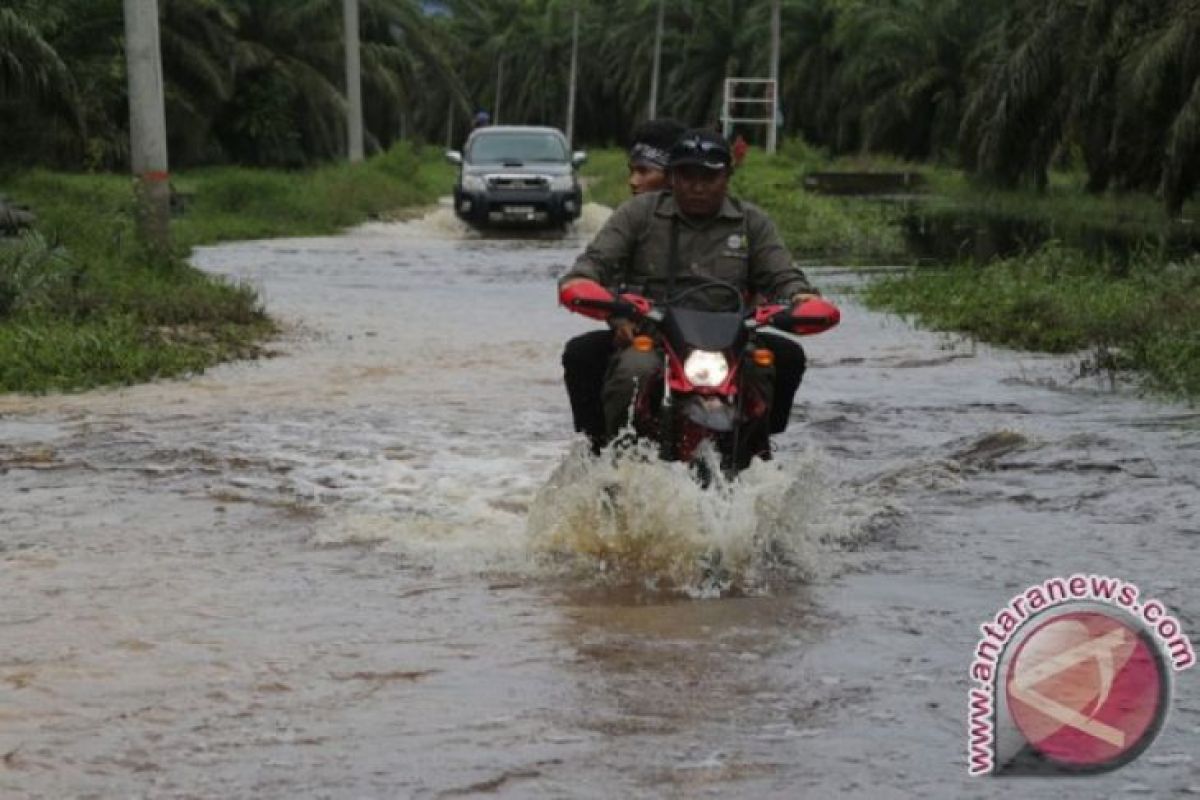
x=714, y=413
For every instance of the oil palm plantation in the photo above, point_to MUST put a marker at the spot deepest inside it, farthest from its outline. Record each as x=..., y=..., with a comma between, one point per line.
x=1164, y=86
x=904, y=70
x=1004, y=87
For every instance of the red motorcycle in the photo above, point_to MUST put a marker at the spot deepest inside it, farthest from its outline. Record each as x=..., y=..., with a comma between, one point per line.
x=711, y=385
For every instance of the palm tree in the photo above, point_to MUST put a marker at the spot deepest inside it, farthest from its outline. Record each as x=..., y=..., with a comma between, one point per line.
x=196, y=38
x=904, y=67
x=38, y=95
x=1051, y=65
x=28, y=63
x=809, y=61
x=409, y=70
x=1163, y=77
x=721, y=39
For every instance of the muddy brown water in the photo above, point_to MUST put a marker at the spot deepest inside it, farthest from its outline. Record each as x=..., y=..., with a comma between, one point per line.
x=377, y=566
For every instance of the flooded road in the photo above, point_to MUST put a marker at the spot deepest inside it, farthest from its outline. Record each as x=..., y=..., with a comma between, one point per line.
x=377, y=565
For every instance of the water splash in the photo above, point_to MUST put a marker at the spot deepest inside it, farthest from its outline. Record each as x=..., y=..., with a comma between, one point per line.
x=632, y=519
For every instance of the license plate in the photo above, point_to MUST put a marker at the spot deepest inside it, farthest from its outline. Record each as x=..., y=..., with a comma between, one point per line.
x=523, y=210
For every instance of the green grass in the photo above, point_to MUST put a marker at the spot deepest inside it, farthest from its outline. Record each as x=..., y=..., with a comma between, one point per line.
x=819, y=229
x=605, y=177
x=235, y=204
x=83, y=305
x=1141, y=314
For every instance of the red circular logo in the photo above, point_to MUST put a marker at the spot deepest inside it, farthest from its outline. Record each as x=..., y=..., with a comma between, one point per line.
x=1087, y=690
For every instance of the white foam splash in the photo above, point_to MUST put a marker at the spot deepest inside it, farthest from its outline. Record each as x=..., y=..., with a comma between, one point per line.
x=634, y=519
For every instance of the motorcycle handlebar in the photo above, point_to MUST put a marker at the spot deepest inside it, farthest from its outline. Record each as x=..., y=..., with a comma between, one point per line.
x=589, y=298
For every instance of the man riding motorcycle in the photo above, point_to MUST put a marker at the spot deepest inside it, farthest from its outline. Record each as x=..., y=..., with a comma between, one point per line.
x=694, y=232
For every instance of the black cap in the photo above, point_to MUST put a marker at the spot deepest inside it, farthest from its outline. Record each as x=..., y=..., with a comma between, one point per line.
x=703, y=147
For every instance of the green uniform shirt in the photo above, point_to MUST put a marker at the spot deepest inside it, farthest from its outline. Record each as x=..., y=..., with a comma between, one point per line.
x=739, y=246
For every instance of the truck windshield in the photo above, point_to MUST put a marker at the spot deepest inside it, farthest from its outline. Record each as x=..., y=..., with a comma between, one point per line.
x=497, y=148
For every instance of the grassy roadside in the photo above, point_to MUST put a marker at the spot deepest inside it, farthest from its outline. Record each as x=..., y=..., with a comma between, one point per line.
x=82, y=306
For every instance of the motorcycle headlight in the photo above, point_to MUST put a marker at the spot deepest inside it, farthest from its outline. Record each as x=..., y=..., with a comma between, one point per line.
x=562, y=183
x=706, y=368
x=473, y=183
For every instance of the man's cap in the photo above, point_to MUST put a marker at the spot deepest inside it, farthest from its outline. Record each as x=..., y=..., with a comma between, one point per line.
x=702, y=147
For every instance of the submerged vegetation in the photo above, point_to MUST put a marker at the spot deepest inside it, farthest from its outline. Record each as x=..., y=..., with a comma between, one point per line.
x=1140, y=312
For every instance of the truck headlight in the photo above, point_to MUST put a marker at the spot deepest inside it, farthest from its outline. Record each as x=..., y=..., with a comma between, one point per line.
x=473, y=183
x=706, y=368
x=562, y=183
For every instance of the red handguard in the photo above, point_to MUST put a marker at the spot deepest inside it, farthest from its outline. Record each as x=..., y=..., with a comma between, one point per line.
x=588, y=298
x=814, y=316
x=810, y=317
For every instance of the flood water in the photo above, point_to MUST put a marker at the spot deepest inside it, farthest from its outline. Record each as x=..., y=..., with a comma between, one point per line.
x=377, y=564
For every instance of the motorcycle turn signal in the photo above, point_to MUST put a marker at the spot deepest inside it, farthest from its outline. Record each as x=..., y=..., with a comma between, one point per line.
x=643, y=344
x=763, y=357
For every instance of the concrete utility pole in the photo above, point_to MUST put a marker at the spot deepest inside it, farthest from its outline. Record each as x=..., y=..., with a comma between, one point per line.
x=148, y=123
x=574, y=77
x=654, y=74
x=773, y=128
x=499, y=86
x=354, y=119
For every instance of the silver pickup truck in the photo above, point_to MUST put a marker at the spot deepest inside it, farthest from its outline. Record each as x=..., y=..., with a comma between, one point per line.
x=517, y=175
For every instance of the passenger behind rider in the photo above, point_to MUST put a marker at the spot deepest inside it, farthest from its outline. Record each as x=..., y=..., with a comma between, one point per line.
x=719, y=237
x=585, y=358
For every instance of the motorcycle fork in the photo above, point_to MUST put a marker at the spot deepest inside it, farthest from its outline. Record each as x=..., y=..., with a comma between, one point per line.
x=736, y=457
x=666, y=418
x=734, y=464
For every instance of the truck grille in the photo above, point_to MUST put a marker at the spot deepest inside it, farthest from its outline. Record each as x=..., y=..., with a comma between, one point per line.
x=518, y=182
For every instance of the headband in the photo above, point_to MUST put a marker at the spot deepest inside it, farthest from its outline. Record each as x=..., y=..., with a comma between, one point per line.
x=649, y=155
